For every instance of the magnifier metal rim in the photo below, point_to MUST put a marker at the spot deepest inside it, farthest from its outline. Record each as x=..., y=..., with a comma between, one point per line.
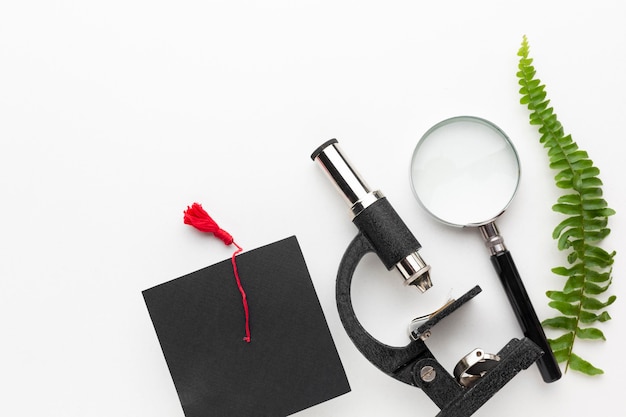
x=473, y=119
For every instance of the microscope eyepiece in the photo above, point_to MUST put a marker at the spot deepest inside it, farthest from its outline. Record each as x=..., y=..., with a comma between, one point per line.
x=352, y=187
x=374, y=216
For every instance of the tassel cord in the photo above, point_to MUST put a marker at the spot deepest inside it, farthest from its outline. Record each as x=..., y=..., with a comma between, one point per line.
x=197, y=217
x=244, y=299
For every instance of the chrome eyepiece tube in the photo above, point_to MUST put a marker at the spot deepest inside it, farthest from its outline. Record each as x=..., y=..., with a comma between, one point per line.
x=375, y=218
x=346, y=179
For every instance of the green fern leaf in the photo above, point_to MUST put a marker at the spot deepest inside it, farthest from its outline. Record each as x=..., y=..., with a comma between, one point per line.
x=563, y=342
x=579, y=364
x=562, y=296
x=595, y=276
x=561, y=322
x=589, y=303
x=566, y=308
x=586, y=212
x=595, y=289
x=590, y=333
x=574, y=283
x=588, y=317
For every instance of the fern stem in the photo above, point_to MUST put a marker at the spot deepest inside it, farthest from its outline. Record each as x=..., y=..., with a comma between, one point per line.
x=585, y=223
x=551, y=135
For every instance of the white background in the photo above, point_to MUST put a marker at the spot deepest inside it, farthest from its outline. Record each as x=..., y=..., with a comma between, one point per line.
x=114, y=116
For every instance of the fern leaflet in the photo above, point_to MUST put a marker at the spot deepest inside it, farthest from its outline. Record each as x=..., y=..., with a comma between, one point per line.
x=589, y=271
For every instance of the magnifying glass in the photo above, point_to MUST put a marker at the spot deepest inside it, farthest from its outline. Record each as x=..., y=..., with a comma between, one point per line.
x=465, y=172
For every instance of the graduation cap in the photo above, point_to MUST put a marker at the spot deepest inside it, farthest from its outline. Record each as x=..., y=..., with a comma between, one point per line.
x=290, y=361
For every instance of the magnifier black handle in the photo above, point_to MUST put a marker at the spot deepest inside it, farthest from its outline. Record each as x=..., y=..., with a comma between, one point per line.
x=525, y=313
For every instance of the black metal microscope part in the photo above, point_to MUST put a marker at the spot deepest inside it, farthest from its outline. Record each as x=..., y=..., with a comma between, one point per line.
x=392, y=240
x=382, y=231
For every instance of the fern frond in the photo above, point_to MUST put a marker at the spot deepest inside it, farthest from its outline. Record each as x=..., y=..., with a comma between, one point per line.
x=579, y=233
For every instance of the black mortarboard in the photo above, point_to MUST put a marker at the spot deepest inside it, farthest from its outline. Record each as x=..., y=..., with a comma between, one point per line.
x=291, y=362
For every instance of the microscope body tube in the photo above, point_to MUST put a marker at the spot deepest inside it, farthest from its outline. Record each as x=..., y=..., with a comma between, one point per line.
x=375, y=218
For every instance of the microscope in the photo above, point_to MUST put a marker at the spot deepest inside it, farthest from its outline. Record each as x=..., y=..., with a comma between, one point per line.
x=478, y=375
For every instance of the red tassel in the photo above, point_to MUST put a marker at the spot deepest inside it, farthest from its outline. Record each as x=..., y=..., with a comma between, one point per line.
x=197, y=217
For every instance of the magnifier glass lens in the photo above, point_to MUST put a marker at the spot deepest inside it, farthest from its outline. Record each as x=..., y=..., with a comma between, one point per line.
x=465, y=171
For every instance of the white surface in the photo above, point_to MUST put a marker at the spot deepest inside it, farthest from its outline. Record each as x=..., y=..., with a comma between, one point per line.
x=115, y=115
